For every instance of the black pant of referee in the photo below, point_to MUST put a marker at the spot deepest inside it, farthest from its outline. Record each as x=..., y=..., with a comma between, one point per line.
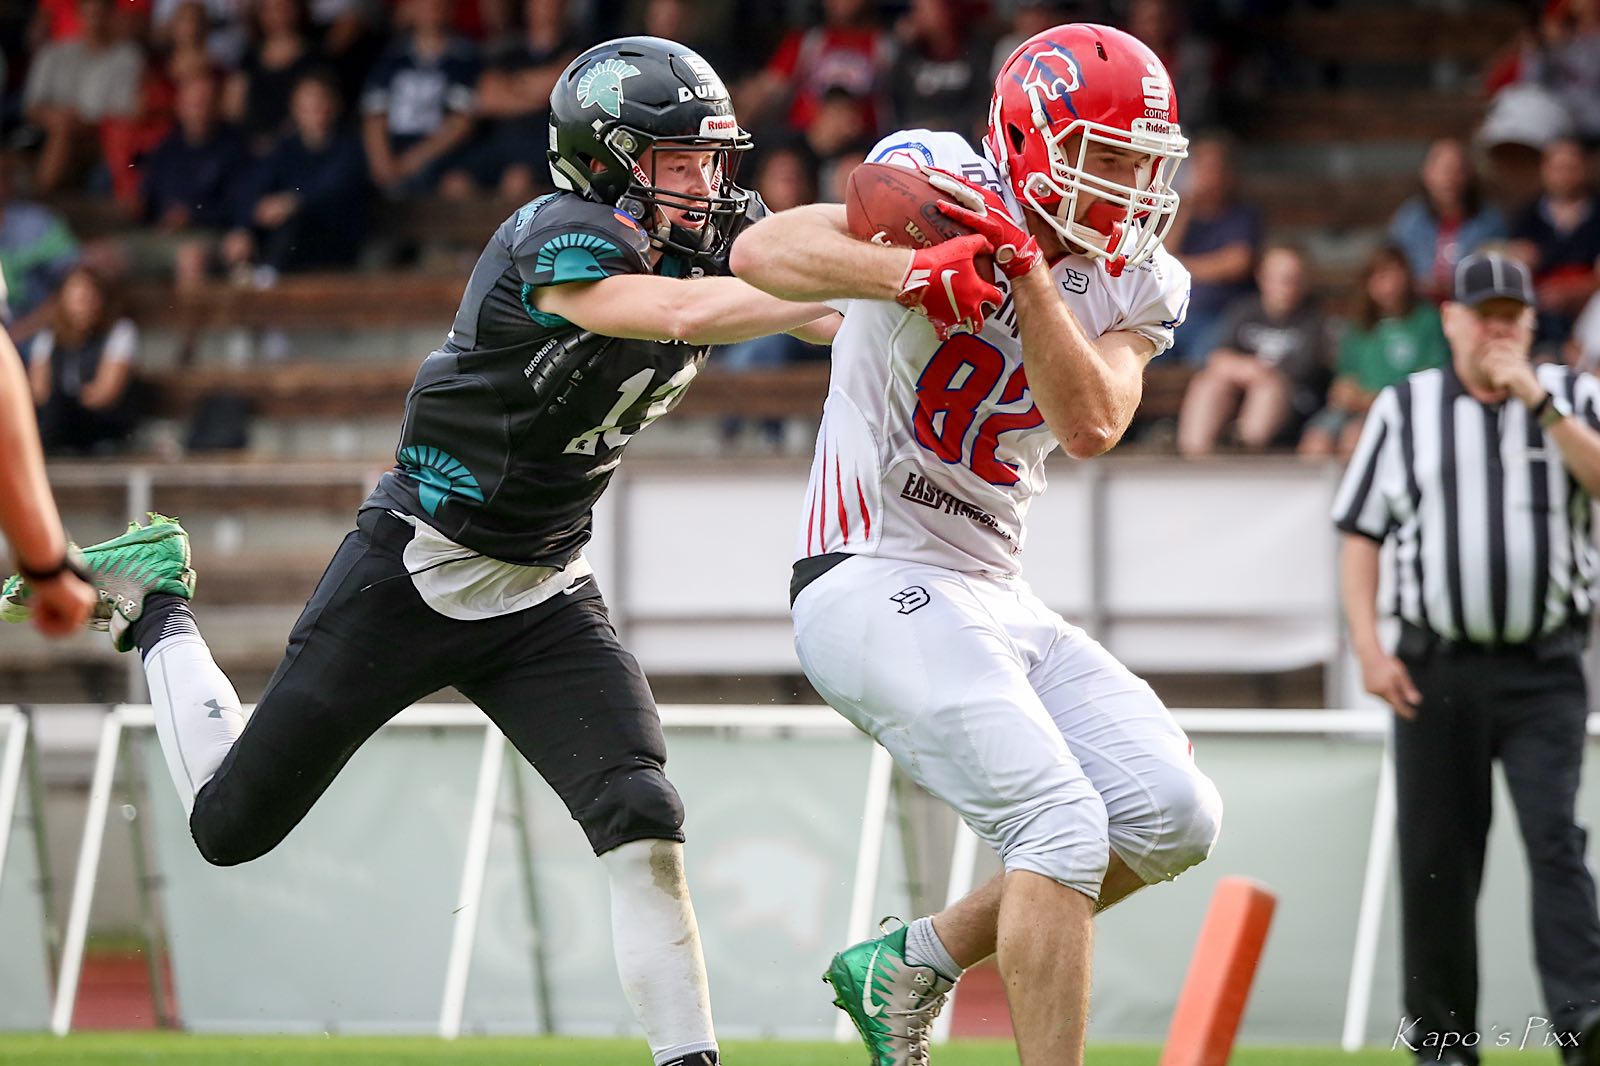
x=1525, y=706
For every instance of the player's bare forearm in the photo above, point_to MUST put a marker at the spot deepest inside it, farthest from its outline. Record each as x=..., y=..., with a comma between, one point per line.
x=1358, y=592
x=806, y=253
x=1087, y=391
x=27, y=512
x=692, y=310
x=819, y=330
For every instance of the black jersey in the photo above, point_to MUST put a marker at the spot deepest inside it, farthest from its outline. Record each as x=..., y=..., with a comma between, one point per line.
x=514, y=426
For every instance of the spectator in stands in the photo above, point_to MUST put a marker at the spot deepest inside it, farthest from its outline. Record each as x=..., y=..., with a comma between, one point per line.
x=72, y=85
x=1269, y=367
x=347, y=39
x=257, y=94
x=513, y=99
x=1394, y=333
x=1445, y=220
x=1567, y=61
x=1215, y=236
x=37, y=251
x=681, y=21
x=1187, y=56
x=836, y=138
x=81, y=370
x=785, y=178
x=940, y=77
x=184, y=53
x=850, y=51
x=304, y=207
x=1030, y=17
x=190, y=180
x=59, y=594
x=227, y=27
x=417, y=104
x=1558, y=236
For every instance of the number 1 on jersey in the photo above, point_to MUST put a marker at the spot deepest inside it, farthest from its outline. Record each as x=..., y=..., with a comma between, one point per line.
x=957, y=381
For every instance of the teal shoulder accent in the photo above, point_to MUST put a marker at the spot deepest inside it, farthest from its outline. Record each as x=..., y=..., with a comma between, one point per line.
x=438, y=476
x=575, y=257
x=548, y=321
x=528, y=210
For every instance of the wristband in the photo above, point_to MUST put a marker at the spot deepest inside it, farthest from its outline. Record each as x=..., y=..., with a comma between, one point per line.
x=1551, y=409
x=68, y=563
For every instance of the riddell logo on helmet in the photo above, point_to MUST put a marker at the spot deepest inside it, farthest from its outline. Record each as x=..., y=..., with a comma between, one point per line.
x=718, y=126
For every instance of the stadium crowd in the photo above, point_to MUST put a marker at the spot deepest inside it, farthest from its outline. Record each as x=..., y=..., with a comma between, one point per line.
x=242, y=140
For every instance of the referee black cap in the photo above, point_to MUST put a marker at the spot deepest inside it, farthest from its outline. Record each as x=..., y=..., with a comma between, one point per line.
x=1492, y=276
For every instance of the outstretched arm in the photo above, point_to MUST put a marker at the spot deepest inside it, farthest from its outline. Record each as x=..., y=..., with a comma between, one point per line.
x=807, y=253
x=692, y=310
x=61, y=601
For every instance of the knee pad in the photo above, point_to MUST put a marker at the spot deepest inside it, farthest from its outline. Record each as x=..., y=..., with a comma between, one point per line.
x=1191, y=818
x=636, y=803
x=1062, y=837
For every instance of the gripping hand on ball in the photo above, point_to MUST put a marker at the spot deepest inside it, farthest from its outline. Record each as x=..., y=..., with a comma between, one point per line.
x=980, y=210
x=943, y=284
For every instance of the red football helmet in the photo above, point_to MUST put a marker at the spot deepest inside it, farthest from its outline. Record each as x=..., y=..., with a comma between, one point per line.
x=1103, y=87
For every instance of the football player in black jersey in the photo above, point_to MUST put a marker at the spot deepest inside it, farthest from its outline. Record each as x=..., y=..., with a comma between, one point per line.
x=588, y=314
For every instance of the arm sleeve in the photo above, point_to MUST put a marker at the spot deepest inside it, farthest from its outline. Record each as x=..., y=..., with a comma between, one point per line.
x=44, y=343
x=1364, y=502
x=1162, y=302
x=567, y=241
x=123, y=342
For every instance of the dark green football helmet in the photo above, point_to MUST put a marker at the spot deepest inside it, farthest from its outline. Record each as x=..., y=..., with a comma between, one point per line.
x=625, y=96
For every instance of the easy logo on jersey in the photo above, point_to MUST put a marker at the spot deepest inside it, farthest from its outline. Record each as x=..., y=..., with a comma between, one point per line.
x=574, y=257
x=438, y=475
x=601, y=85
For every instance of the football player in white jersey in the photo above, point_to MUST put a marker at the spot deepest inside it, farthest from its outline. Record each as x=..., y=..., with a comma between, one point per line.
x=911, y=617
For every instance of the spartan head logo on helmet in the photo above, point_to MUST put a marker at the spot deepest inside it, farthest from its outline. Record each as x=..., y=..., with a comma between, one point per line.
x=602, y=84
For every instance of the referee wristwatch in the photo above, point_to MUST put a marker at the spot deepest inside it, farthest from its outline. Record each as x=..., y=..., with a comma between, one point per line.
x=1552, y=409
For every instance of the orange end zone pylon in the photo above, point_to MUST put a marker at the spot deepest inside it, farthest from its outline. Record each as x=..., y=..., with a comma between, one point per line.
x=1220, y=974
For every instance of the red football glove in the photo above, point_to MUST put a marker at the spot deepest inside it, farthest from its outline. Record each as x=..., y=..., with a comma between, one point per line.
x=943, y=284
x=982, y=211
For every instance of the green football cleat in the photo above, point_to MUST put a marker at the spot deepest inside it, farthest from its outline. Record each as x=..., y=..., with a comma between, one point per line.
x=126, y=569
x=892, y=1003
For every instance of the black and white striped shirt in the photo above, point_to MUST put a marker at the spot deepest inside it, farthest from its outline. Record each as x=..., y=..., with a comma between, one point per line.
x=1492, y=534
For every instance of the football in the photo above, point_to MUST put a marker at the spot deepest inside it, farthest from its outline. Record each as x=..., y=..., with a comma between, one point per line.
x=895, y=205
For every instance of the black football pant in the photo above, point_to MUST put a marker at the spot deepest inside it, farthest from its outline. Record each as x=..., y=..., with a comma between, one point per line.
x=1529, y=713
x=552, y=677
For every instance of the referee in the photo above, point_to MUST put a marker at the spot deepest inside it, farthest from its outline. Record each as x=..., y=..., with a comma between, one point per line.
x=1482, y=472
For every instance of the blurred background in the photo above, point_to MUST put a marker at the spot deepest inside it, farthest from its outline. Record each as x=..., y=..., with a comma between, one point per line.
x=206, y=342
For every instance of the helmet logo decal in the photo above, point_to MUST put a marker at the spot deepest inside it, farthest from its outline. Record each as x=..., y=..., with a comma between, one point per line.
x=1157, y=91
x=1055, y=74
x=602, y=84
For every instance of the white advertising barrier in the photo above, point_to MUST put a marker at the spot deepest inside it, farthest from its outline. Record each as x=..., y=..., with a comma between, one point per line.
x=24, y=956
x=406, y=901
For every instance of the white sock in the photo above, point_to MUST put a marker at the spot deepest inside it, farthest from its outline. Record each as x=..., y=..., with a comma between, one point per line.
x=924, y=948
x=197, y=712
x=658, y=948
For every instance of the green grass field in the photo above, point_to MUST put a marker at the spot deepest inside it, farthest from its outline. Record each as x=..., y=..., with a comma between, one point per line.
x=96, y=1049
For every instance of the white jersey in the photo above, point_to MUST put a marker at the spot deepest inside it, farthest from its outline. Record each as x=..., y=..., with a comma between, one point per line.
x=931, y=451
